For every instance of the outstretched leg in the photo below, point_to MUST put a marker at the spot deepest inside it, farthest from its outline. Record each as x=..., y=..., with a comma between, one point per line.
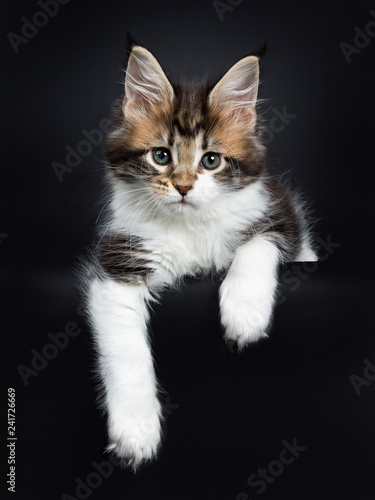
x=119, y=317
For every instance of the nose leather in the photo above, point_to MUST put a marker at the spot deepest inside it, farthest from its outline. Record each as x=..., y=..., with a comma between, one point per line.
x=183, y=190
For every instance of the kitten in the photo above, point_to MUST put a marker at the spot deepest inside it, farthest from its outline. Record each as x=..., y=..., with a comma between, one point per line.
x=189, y=193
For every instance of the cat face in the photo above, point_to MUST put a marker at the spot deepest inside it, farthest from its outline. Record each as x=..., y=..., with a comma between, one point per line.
x=188, y=144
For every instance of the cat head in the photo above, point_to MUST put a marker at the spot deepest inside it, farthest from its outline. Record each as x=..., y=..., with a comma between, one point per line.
x=186, y=144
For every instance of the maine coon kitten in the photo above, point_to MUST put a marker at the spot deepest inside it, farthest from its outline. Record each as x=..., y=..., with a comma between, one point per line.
x=189, y=193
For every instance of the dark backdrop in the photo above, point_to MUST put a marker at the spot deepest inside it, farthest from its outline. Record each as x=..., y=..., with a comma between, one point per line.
x=228, y=414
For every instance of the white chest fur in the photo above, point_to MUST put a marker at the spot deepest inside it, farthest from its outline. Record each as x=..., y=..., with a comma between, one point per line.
x=194, y=240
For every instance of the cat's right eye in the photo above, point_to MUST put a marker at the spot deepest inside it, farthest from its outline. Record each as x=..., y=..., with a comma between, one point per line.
x=162, y=156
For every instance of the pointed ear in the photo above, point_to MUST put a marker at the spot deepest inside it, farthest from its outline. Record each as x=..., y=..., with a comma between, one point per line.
x=145, y=84
x=237, y=90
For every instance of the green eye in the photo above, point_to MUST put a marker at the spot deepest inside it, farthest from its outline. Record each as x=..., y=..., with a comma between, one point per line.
x=162, y=156
x=210, y=161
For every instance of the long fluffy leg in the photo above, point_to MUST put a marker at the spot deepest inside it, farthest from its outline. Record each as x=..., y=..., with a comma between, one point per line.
x=119, y=316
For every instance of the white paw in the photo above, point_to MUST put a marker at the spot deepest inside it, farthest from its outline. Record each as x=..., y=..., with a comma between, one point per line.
x=245, y=313
x=134, y=439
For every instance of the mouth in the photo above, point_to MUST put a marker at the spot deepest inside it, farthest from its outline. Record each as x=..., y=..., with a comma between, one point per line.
x=182, y=202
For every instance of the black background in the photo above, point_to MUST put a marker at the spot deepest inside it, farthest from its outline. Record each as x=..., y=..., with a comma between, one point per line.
x=227, y=413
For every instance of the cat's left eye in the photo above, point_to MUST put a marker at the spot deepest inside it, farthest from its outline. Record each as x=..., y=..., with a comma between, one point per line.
x=210, y=161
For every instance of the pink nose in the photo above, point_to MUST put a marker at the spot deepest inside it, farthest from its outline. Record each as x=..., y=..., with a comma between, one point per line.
x=183, y=190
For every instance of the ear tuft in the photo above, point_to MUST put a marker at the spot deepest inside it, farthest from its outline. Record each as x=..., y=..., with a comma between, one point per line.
x=132, y=42
x=261, y=52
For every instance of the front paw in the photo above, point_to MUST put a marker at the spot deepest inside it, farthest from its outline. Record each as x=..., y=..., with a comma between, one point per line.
x=136, y=438
x=245, y=314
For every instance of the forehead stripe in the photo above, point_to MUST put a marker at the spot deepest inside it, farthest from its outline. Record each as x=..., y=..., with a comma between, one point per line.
x=186, y=131
x=205, y=141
